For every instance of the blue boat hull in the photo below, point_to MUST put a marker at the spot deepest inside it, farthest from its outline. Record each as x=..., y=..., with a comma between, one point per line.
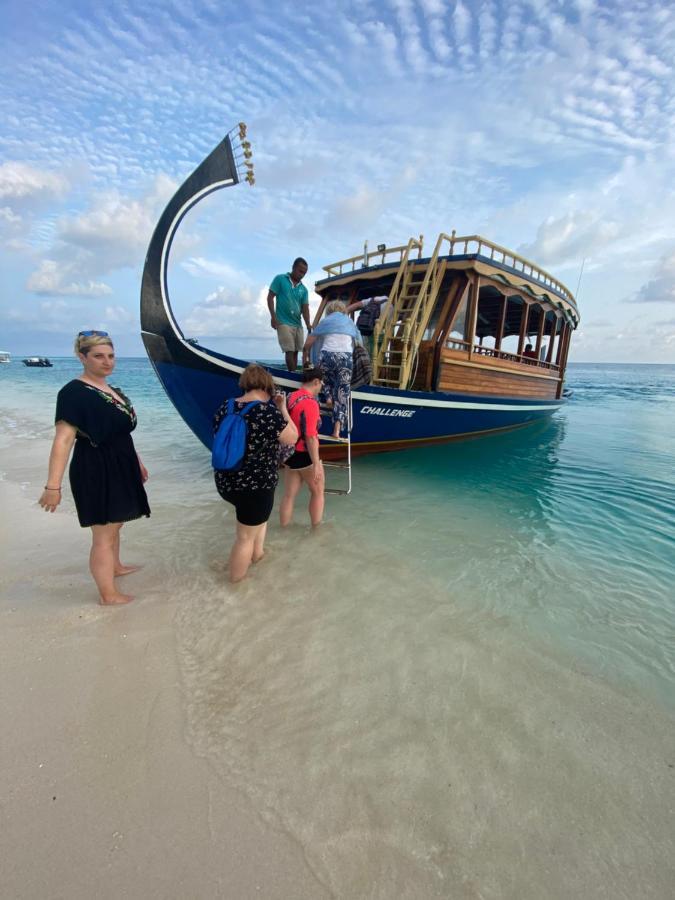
x=383, y=419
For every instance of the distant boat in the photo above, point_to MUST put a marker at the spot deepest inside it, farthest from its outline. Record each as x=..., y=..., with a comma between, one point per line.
x=37, y=362
x=5, y=356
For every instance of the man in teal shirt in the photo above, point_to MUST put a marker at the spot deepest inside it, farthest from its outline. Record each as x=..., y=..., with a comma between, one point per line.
x=292, y=302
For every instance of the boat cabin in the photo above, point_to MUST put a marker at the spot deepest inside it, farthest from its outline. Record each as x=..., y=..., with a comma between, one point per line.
x=472, y=318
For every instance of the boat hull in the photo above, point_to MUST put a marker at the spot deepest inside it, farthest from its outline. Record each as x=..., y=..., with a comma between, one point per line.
x=197, y=380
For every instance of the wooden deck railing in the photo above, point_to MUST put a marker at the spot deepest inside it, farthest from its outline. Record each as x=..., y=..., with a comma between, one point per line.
x=474, y=243
x=365, y=259
x=459, y=246
x=476, y=350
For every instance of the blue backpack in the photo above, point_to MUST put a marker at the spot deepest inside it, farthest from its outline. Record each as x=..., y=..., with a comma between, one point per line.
x=229, y=442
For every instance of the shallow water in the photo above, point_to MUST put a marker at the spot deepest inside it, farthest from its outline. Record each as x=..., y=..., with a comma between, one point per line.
x=462, y=685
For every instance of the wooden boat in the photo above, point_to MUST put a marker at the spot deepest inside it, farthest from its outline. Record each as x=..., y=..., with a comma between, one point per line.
x=37, y=362
x=450, y=356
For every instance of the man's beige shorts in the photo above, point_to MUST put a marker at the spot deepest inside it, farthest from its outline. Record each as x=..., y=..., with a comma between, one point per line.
x=291, y=339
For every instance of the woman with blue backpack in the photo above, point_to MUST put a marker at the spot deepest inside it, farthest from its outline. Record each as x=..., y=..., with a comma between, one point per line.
x=247, y=434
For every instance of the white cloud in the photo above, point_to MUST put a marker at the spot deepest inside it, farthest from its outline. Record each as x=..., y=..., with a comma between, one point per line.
x=20, y=181
x=576, y=234
x=207, y=268
x=54, y=278
x=661, y=287
x=230, y=313
x=116, y=228
x=118, y=315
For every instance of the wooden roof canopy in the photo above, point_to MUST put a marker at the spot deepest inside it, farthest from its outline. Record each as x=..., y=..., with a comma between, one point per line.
x=503, y=272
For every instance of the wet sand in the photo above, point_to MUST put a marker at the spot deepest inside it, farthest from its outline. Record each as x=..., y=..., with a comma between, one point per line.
x=101, y=794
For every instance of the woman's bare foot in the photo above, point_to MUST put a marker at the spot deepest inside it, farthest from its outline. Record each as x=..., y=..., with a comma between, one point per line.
x=125, y=570
x=257, y=559
x=115, y=599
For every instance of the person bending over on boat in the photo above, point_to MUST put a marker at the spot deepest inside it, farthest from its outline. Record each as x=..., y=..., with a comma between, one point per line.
x=528, y=352
x=292, y=303
x=305, y=464
x=250, y=489
x=370, y=313
x=106, y=473
x=330, y=346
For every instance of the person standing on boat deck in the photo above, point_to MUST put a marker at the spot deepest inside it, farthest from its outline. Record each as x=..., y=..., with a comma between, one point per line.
x=292, y=302
x=106, y=473
x=330, y=346
x=305, y=464
x=250, y=489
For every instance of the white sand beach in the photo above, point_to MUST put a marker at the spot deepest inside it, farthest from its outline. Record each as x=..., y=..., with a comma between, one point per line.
x=101, y=794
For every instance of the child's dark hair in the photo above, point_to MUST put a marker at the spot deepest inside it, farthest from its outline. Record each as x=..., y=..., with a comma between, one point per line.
x=312, y=373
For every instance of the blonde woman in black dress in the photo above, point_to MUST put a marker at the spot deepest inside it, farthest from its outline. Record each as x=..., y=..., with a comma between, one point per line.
x=106, y=473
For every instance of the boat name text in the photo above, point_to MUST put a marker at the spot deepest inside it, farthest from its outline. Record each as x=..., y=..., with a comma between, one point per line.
x=381, y=411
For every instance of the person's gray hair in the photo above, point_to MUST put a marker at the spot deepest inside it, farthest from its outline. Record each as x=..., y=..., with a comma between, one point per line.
x=335, y=306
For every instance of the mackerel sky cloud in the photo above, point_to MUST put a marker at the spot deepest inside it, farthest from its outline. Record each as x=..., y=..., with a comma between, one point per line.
x=548, y=127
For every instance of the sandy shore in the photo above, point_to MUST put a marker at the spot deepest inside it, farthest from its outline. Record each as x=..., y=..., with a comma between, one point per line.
x=101, y=795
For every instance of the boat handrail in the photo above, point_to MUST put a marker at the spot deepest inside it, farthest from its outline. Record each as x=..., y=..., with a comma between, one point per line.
x=518, y=263
x=453, y=343
x=382, y=253
x=493, y=252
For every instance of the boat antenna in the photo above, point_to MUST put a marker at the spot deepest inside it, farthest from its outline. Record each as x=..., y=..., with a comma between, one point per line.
x=581, y=272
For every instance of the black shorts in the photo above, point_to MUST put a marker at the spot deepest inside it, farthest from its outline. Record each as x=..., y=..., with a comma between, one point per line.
x=300, y=460
x=251, y=507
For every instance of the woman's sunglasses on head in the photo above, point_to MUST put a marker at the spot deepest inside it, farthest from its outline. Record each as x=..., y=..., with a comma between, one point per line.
x=93, y=334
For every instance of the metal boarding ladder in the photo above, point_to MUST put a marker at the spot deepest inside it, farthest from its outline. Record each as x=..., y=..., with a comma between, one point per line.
x=345, y=465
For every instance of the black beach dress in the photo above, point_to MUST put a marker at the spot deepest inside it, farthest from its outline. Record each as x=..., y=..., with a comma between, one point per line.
x=105, y=475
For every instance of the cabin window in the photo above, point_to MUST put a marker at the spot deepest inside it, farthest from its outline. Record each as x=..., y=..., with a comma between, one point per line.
x=534, y=322
x=456, y=339
x=557, y=341
x=548, y=335
x=488, y=318
x=515, y=307
x=433, y=320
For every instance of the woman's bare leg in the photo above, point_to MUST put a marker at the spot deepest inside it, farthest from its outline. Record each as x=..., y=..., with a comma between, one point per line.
x=292, y=484
x=105, y=538
x=119, y=568
x=259, y=544
x=241, y=555
x=317, y=497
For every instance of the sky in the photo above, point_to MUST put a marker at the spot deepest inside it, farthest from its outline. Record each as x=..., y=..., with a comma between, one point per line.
x=545, y=126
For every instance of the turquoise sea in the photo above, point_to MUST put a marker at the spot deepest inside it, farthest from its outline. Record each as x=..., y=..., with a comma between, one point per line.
x=477, y=629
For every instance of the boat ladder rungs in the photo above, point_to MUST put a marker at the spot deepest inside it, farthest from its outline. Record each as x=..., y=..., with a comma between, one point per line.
x=345, y=464
x=337, y=440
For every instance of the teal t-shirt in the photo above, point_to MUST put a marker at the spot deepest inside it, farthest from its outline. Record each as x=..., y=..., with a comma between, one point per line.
x=290, y=300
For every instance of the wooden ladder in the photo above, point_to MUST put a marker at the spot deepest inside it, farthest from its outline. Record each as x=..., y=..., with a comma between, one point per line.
x=404, y=318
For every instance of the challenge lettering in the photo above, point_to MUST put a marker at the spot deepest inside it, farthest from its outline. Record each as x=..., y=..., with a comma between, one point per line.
x=381, y=411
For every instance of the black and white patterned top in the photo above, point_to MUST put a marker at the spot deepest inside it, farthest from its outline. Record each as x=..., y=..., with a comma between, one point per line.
x=260, y=468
